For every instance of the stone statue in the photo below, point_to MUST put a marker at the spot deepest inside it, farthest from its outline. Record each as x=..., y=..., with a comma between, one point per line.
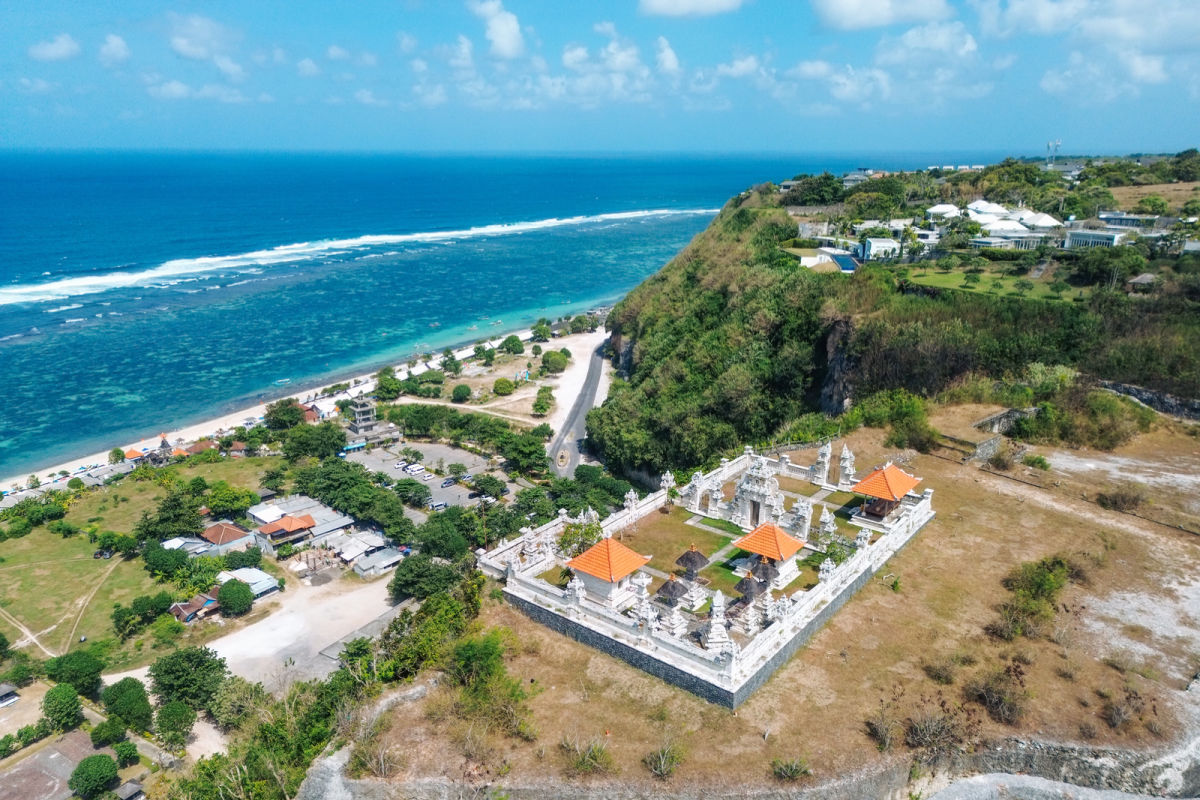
x=826, y=570
x=676, y=623
x=631, y=500
x=667, y=482
x=863, y=539
x=820, y=470
x=576, y=590
x=846, y=473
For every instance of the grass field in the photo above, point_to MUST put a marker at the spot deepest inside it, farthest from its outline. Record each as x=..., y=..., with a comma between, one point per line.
x=994, y=283
x=664, y=537
x=1176, y=194
x=55, y=588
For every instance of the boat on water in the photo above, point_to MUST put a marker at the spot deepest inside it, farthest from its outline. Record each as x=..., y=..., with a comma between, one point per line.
x=435, y=324
x=473, y=328
x=283, y=381
x=498, y=322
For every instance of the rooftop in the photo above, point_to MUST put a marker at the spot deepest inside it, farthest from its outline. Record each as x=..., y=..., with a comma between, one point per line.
x=770, y=540
x=608, y=560
x=889, y=482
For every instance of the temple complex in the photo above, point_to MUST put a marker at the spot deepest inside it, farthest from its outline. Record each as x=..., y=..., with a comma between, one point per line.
x=718, y=623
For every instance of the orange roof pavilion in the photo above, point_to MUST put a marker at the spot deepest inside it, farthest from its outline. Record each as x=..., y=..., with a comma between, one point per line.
x=132, y=454
x=770, y=540
x=608, y=560
x=889, y=482
x=289, y=523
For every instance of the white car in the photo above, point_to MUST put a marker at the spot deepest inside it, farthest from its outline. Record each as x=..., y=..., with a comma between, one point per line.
x=400, y=465
x=428, y=476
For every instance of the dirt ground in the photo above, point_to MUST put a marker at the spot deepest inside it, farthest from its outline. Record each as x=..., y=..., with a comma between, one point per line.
x=1135, y=623
x=25, y=711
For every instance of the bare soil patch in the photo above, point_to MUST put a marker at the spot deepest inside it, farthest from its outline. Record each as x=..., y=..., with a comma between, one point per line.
x=1176, y=194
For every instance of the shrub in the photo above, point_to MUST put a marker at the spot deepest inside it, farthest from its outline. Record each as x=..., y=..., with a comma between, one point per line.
x=936, y=727
x=504, y=387
x=93, y=775
x=1001, y=693
x=1036, y=461
x=587, y=758
x=108, y=732
x=461, y=393
x=663, y=762
x=1125, y=498
x=792, y=769
x=941, y=671
x=1119, y=712
x=173, y=723
x=127, y=753
x=1002, y=459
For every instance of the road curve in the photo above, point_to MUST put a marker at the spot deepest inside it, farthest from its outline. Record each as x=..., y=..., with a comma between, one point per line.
x=574, y=429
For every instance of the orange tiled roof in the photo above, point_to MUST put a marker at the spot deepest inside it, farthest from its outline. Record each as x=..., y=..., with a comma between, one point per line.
x=179, y=451
x=289, y=523
x=770, y=540
x=222, y=533
x=889, y=482
x=134, y=454
x=608, y=560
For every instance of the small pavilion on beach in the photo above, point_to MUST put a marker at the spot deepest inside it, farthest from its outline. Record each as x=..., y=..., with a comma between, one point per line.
x=772, y=542
x=884, y=488
x=605, y=569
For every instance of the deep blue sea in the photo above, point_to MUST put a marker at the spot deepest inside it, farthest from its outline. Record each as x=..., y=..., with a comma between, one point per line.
x=142, y=292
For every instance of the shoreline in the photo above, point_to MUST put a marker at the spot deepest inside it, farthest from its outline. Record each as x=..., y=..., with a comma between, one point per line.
x=360, y=380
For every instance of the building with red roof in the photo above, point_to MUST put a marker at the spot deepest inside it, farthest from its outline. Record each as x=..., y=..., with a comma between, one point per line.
x=605, y=569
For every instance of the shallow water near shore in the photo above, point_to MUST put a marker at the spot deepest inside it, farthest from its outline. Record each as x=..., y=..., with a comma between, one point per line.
x=143, y=292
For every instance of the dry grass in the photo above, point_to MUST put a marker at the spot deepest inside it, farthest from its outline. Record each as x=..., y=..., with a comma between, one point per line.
x=1176, y=194
x=819, y=702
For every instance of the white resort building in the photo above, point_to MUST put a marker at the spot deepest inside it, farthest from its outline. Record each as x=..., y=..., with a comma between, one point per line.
x=797, y=561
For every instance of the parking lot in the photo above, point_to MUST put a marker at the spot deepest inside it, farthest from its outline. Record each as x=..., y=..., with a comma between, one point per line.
x=384, y=459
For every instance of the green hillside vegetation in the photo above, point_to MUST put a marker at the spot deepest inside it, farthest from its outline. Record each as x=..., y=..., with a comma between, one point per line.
x=733, y=342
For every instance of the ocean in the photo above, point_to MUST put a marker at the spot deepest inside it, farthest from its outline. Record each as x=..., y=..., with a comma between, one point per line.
x=142, y=292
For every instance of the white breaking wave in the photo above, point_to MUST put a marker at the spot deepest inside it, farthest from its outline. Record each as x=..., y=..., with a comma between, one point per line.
x=301, y=251
x=64, y=308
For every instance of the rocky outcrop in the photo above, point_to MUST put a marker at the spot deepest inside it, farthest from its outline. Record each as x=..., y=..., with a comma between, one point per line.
x=837, y=388
x=1159, y=401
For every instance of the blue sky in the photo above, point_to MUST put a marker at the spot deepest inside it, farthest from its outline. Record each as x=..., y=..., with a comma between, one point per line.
x=1105, y=76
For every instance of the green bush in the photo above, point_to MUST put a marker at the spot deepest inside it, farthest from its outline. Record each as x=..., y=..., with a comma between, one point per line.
x=173, y=723
x=110, y=731
x=62, y=708
x=791, y=769
x=93, y=775
x=235, y=598
x=461, y=393
x=504, y=387
x=127, y=700
x=663, y=762
x=587, y=758
x=127, y=753
x=1036, y=461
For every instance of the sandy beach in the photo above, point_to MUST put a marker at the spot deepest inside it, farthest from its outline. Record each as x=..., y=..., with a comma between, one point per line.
x=568, y=387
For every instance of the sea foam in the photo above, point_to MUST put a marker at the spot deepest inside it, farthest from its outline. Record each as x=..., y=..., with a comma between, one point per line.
x=171, y=272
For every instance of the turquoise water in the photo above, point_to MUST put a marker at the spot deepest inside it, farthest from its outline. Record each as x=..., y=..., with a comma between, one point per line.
x=143, y=292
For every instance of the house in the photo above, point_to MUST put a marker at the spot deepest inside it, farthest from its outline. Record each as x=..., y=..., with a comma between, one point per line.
x=260, y=583
x=8, y=695
x=1191, y=246
x=288, y=528
x=324, y=519
x=853, y=179
x=770, y=541
x=130, y=790
x=1079, y=239
x=238, y=450
x=134, y=455
x=605, y=569
x=987, y=207
x=1119, y=219
x=1002, y=226
x=201, y=446
x=362, y=417
x=224, y=537
x=991, y=243
x=873, y=249
x=188, y=544
x=1142, y=283
x=378, y=562
x=351, y=545
x=198, y=607
x=942, y=211
x=311, y=415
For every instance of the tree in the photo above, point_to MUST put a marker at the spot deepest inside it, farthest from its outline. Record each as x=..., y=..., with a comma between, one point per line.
x=1023, y=285
x=319, y=441
x=456, y=471
x=235, y=700
x=461, y=393
x=178, y=514
x=75, y=484
x=512, y=344
x=79, y=668
x=490, y=485
x=273, y=479
x=578, y=536
x=387, y=385
x=127, y=753
x=110, y=731
x=127, y=700
x=412, y=492
x=504, y=387
x=527, y=453
x=229, y=501
x=4, y=644
x=541, y=331
x=418, y=576
x=161, y=562
x=235, y=598
x=62, y=708
x=116, y=455
x=93, y=775
x=190, y=674
x=173, y=723
x=450, y=364
x=554, y=361
x=1152, y=204
x=1192, y=207
x=283, y=414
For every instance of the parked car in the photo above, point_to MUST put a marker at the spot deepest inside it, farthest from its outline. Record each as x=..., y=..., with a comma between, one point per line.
x=473, y=495
x=439, y=506
x=448, y=483
x=467, y=478
x=400, y=465
x=428, y=476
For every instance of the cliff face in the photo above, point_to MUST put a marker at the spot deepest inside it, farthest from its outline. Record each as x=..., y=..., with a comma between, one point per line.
x=837, y=389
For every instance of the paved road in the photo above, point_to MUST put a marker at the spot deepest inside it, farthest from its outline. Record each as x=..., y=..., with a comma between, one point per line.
x=575, y=428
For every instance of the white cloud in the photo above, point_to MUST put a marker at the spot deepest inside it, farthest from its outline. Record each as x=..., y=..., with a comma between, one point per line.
x=279, y=55
x=430, y=96
x=575, y=57
x=229, y=68
x=170, y=90
x=862, y=86
x=335, y=53
x=811, y=70
x=937, y=41
x=265, y=97
x=406, y=42
x=367, y=59
x=503, y=29
x=419, y=65
x=461, y=54
x=225, y=94
x=1028, y=16
x=368, y=98
x=688, y=8
x=1143, y=68
x=668, y=62
x=35, y=85
x=859, y=14
x=59, y=48
x=739, y=68
x=198, y=38
x=113, y=51
x=1004, y=62
x=307, y=68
